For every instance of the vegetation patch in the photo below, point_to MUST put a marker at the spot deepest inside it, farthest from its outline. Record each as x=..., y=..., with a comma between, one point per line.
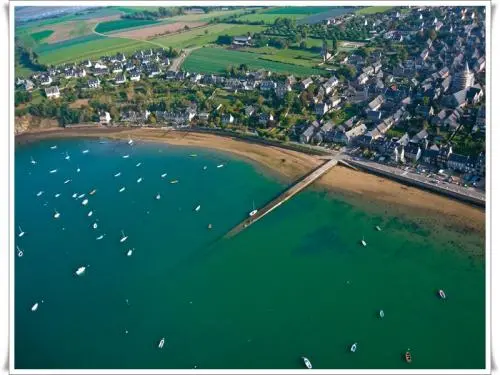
x=40, y=35
x=106, y=27
x=374, y=10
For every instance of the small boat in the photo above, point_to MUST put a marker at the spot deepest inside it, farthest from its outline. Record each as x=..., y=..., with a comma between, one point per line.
x=33, y=160
x=90, y=213
x=442, y=294
x=67, y=181
x=138, y=164
x=81, y=196
x=57, y=195
x=34, y=307
x=93, y=192
x=354, y=347
x=363, y=242
x=408, y=357
x=74, y=195
x=139, y=179
x=174, y=181
x=67, y=156
x=20, y=253
x=197, y=208
x=80, y=271
x=307, y=363
x=158, y=196
x=84, y=202
x=39, y=193
x=94, y=225
x=21, y=232
x=56, y=215
x=254, y=211
x=53, y=171
x=220, y=165
x=193, y=155
x=122, y=189
x=381, y=313
x=124, y=238
x=53, y=147
x=163, y=175
x=205, y=168
x=209, y=226
x=100, y=237
x=162, y=342
x=130, y=141
x=85, y=151
x=118, y=174
x=129, y=253
x=378, y=228
x=126, y=156
x=77, y=170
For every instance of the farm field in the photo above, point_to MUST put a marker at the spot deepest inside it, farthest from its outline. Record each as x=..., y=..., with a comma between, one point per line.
x=90, y=50
x=328, y=13
x=38, y=36
x=198, y=37
x=145, y=33
x=374, y=9
x=289, y=56
x=216, y=60
x=109, y=26
x=44, y=48
x=268, y=16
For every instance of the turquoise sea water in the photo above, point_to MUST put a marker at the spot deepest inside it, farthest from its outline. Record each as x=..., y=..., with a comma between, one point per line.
x=297, y=283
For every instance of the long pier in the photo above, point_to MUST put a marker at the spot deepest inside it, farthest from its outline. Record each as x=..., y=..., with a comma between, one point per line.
x=283, y=197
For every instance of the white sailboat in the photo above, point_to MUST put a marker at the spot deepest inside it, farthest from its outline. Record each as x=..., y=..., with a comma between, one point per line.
x=174, y=181
x=90, y=213
x=254, y=211
x=378, y=228
x=381, y=313
x=354, y=347
x=122, y=189
x=129, y=253
x=57, y=195
x=130, y=141
x=20, y=253
x=67, y=181
x=74, y=195
x=220, y=165
x=138, y=164
x=162, y=342
x=124, y=238
x=193, y=155
x=34, y=307
x=53, y=147
x=81, y=196
x=93, y=192
x=100, y=237
x=77, y=170
x=84, y=202
x=126, y=156
x=52, y=171
x=163, y=175
x=158, y=196
x=80, y=271
x=56, y=214
x=205, y=168
x=39, y=193
x=118, y=174
x=33, y=160
x=307, y=362
x=85, y=151
x=363, y=242
x=197, y=208
x=94, y=225
x=67, y=156
x=139, y=180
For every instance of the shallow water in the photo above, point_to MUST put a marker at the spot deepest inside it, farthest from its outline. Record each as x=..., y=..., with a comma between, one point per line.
x=297, y=283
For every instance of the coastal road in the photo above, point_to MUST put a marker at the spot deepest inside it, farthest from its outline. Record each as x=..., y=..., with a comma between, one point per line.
x=431, y=183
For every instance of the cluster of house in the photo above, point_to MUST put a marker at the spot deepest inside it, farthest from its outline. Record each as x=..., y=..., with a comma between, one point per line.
x=440, y=74
x=116, y=68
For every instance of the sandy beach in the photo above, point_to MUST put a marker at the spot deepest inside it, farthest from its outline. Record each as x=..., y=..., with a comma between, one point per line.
x=290, y=165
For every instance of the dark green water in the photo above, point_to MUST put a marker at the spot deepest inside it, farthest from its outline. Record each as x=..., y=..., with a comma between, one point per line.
x=297, y=283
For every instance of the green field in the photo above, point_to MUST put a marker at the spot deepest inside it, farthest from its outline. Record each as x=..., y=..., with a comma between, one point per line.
x=305, y=11
x=288, y=56
x=45, y=48
x=91, y=49
x=268, y=16
x=194, y=38
x=109, y=26
x=216, y=60
x=374, y=10
x=41, y=35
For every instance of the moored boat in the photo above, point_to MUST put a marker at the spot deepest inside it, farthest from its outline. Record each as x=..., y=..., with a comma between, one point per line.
x=442, y=294
x=381, y=313
x=122, y=189
x=408, y=357
x=162, y=342
x=378, y=228
x=307, y=363
x=354, y=347
x=80, y=271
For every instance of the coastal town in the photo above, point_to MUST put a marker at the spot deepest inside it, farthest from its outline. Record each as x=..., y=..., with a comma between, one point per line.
x=407, y=101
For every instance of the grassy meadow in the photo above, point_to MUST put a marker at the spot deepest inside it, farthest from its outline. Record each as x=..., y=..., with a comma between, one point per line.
x=374, y=10
x=119, y=25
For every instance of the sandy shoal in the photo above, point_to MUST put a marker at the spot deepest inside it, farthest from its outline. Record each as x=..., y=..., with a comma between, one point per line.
x=354, y=185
